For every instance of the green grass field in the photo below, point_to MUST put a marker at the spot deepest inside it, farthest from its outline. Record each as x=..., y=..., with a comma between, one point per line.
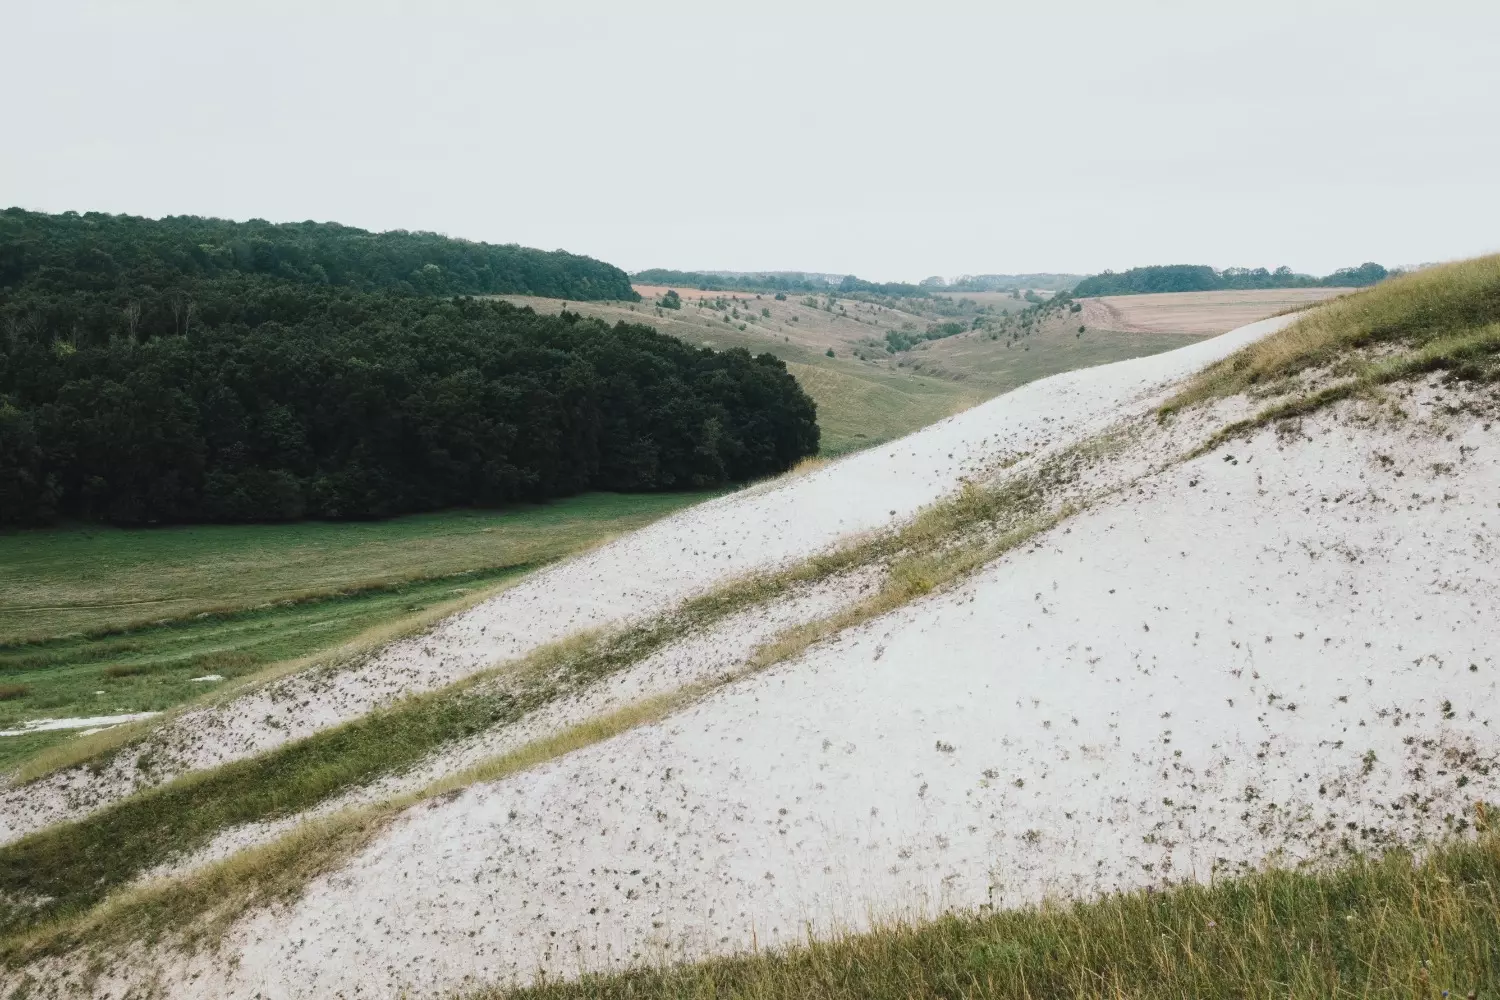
x=228, y=601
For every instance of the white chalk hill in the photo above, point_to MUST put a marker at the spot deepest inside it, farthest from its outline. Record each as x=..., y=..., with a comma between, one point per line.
x=1281, y=649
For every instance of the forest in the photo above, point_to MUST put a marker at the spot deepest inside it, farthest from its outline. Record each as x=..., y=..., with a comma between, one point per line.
x=94, y=251
x=1202, y=278
x=140, y=385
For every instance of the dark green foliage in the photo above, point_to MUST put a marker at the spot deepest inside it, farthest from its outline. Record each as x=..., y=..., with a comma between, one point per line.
x=1202, y=278
x=1144, y=280
x=96, y=251
x=671, y=300
x=1368, y=273
x=903, y=340
x=243, y=397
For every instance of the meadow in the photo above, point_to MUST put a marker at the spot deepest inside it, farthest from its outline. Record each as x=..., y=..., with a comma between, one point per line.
x=107, y=621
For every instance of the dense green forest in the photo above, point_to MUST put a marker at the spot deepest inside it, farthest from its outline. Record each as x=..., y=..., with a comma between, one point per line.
x=1202, y=278
x=94, y=251
x=157, y=392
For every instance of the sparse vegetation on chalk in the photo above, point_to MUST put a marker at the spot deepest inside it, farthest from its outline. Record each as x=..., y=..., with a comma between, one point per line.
x=1384, y=927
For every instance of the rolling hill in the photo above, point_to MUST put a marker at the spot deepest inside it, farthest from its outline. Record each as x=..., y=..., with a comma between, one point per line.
x=1221, y=613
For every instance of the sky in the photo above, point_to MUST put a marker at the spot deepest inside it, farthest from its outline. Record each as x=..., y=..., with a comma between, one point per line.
x=892, y=141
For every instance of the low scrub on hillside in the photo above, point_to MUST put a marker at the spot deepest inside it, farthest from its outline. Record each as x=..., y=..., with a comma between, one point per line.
x=1387, y=928
x=1441, y=318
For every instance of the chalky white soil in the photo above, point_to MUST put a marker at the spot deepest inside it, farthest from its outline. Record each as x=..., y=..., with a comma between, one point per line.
x=1284, y=649
x=642, y=574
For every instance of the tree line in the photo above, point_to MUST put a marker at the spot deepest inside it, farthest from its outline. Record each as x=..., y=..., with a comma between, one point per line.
x=238, y=395
x=782, y=282
x=95, y=250
x=1202, y=278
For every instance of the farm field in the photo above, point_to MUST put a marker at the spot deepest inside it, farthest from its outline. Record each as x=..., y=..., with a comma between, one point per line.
x=101, y=621
x=1198, y=313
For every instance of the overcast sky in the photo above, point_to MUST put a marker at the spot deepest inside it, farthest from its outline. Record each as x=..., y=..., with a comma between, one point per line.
x=892, y=141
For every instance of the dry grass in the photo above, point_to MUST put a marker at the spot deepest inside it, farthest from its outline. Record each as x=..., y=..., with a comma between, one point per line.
x=1376, y=928
x=1441, y=317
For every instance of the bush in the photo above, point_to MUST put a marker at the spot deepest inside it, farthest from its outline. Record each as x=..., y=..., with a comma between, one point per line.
x=671, y=300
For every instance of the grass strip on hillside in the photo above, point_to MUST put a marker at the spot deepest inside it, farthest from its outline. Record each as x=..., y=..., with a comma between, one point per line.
x=1440, y=318
x=1384, y=927
x=57, y=874
x=198, y=908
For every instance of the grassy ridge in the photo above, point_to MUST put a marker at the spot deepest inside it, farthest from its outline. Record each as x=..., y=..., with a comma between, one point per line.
x=1376, y=928
x=1440, y=318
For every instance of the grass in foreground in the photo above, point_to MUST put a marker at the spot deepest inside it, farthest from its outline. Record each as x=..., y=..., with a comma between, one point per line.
x=1375, y=928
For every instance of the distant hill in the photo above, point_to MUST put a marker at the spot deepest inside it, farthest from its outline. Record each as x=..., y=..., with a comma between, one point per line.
x=1006, y=282
x=814, y=281
x=779, y=281
x=1202, y=278
x=95, y=251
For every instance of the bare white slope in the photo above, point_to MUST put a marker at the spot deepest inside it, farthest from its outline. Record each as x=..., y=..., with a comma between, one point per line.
x=1273, y=649
x=647, y=572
